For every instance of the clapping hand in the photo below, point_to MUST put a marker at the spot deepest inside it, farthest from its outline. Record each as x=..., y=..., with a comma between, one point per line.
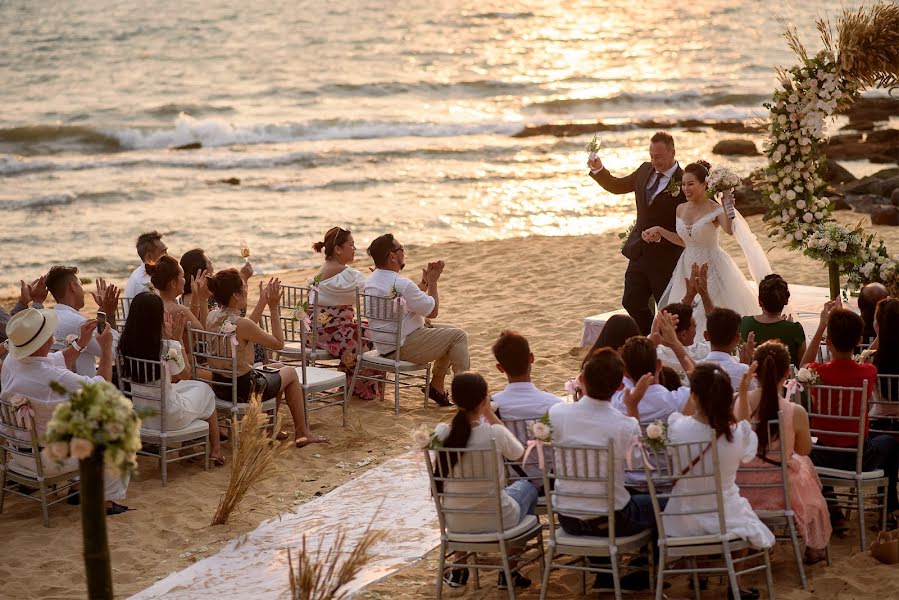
x=106, y=297
x=667, y=324
x=271, y=292
x=748, y=349
x=199, y=287
x=632, y=397
x=702, y=279
x=36, y=291
x=173, y=325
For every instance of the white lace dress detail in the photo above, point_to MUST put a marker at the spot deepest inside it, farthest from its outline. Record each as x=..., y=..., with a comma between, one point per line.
x=728, y=287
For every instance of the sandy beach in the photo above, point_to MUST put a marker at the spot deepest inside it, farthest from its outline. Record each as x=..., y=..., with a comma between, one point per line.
x=542, y=287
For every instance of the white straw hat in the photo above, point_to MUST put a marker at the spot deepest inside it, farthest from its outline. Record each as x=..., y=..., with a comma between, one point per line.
x=29, y=330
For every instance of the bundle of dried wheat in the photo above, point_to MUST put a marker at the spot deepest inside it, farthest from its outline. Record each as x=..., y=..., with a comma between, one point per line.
x=253, y=454
x=868, y=44
x=322, y=574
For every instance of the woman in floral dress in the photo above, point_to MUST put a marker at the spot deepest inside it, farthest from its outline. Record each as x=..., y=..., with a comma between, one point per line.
x=335, y=321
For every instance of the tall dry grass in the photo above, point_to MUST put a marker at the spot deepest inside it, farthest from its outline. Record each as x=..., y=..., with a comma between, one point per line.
x=253, y=454
x=322, y=574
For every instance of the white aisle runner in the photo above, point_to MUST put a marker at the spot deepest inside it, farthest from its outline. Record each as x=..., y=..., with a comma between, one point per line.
x=255, y=566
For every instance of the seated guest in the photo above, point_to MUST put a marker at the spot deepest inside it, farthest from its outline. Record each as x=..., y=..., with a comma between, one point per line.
x=33, y=294
x=168, y=280
x=230, y=293
x=65, y=285
x=31, y=368
x=685, y=329
x=475, y=426
x=639, y=356
x=886, y=358
x=617, y=330
x=868, y=298
x=420, y=342
x=149, y=335
x=844, y=332
x=195, y=261
x=521, y=399
x=669, y=378
x=723, y=334
x=712, y=397
x=761, y=406
x=773, y=324
x=150, y=248
x=335, y=323
x=593, y=421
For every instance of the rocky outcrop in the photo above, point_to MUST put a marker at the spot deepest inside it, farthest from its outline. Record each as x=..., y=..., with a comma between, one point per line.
x=880, y=146
x=736, y=147
x=885, y=215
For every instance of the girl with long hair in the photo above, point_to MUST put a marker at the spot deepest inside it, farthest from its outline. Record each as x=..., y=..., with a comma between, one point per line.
x=168, y=279
x=762, y=406
x=475, y=426
x=711, y=394
x=148, y=335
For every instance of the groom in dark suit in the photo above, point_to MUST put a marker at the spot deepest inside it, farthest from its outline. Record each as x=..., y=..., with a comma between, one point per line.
x=657, y=191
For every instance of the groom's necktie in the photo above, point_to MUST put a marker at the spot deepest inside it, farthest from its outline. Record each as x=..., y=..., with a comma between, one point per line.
x=651, y=190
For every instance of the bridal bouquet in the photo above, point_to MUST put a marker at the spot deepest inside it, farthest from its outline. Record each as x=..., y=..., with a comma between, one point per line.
x=722, y=180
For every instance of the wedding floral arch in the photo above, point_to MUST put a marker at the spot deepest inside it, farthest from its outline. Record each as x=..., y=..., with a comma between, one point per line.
x=864, y=54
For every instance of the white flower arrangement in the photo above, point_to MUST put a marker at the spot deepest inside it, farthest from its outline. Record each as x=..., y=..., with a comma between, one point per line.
x=656, y=436
x=228, y=326
x=809, y=94
x=808, y=376
x=542, y=429
x=96, y=417
x=834, y=243
x=423, y=439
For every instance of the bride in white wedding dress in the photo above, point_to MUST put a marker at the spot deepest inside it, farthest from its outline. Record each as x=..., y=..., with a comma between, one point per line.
x=697, y=225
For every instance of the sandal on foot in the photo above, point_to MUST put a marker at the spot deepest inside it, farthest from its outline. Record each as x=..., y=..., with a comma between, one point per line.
x=305, y=441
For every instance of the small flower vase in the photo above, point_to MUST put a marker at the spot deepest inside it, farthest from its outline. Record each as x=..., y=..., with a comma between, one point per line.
x=97, y=567
x=833, y=270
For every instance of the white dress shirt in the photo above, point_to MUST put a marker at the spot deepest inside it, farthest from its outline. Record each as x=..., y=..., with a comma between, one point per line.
x=31, y=377
x=418, y=305
x=137, y=283
x=522, y=400
x=657, y=403
x=590, y=422
x=340, y=290
x=70, y=321
x=732, y=366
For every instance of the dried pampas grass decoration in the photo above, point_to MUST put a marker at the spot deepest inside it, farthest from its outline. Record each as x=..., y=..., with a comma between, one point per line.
x=253, y=454
x=868, y=45
x=321, y=574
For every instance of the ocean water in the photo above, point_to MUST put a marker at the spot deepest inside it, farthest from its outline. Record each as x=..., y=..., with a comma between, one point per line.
x=376, y=116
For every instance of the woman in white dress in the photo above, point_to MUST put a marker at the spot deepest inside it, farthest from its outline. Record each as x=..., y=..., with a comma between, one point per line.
x=149, y=335
x=697, y=222
x=712, y=396
x=335, y=322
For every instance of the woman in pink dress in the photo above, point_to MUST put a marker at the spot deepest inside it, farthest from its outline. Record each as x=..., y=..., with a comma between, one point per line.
x=761, y=406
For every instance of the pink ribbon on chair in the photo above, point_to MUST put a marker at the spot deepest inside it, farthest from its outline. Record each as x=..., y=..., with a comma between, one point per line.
x=234, y=340
x=637, y=444
x=793, y=387
x=23, y=411
x=541, y=460
x=399, y=301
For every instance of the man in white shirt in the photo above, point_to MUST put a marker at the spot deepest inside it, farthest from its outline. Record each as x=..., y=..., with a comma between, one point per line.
x=723, y=334
x=150, y=248
x=592, y=421
x=65, y=285
x=639, y=356
x=31, y=368
x=521, y=399
x=420, y=342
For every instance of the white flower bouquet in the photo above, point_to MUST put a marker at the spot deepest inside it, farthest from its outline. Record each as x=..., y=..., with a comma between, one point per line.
x=423, y=439
x=542, y=429
x=593, y=146
x=95, y=418
x=807, y=376
x=722, y=182
x=656, y=436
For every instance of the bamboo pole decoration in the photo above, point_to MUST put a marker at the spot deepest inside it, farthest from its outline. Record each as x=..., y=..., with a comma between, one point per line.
x=833, y=271
x=93, y=527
